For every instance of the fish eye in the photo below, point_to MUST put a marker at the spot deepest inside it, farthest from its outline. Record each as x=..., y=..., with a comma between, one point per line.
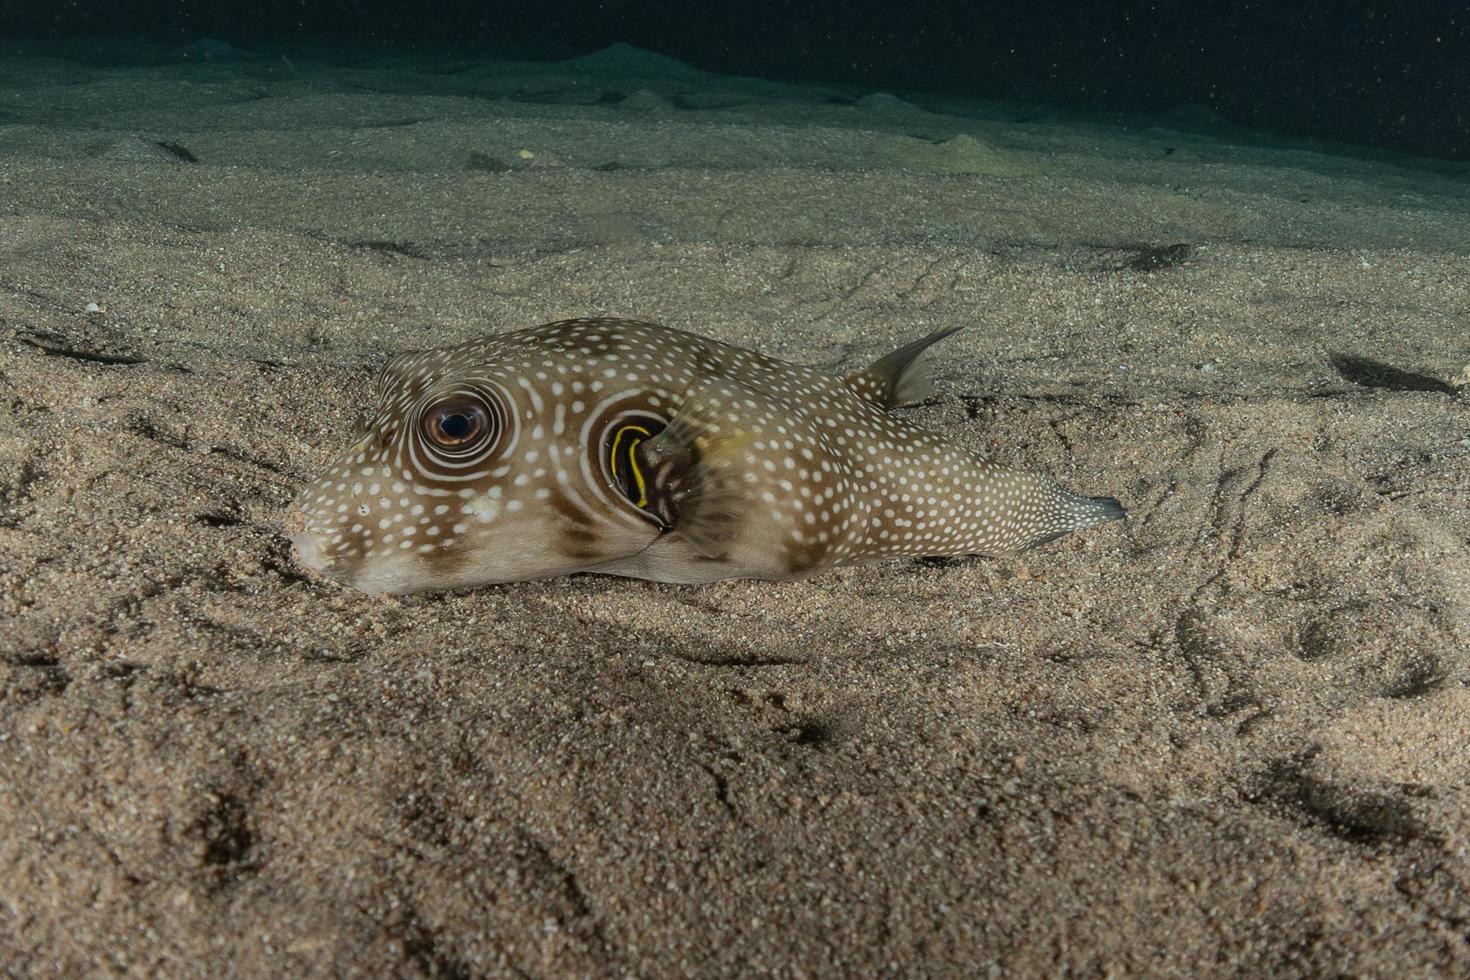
x=456, y=427
x=456, y=424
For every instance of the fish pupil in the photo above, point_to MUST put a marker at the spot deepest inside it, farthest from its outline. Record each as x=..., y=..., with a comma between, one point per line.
x=456, y=426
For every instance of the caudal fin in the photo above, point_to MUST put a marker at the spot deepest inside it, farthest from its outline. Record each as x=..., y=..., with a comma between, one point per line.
x=1105, y=509
x=1073, y=512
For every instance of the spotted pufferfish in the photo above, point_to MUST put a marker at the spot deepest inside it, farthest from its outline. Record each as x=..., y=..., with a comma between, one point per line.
x=628, y=448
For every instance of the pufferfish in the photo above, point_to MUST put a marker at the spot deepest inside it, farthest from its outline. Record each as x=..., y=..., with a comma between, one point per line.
x=628, y=448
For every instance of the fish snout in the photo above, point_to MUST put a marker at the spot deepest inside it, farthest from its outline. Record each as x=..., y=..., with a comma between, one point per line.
x=309, y=551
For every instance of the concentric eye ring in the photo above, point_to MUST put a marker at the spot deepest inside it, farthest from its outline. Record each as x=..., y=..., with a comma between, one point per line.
x=455, y=425
x=459, y=428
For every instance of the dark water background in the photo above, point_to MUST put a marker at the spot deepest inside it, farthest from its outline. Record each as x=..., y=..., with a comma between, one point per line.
x=1388, y=73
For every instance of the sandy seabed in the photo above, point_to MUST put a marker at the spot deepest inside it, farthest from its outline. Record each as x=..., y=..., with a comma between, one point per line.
x=1230, y=736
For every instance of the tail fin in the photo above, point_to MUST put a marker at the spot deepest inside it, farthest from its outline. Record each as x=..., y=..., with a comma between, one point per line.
x=1105, y=509
x=1073, y=512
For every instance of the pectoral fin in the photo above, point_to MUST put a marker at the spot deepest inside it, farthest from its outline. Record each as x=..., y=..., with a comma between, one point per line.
x=700, y=474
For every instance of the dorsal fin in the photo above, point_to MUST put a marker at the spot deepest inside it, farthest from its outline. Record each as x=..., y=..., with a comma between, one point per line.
x=899, y=378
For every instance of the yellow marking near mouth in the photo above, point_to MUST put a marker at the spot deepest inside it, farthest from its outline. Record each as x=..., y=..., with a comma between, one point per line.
x=642, y=499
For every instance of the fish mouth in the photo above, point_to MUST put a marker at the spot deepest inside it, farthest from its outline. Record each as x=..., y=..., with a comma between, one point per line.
x=349, y=571
x=309, y=552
